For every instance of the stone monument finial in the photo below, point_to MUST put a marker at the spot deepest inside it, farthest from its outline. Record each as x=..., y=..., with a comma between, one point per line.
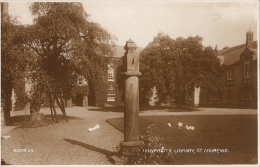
x=130, y=45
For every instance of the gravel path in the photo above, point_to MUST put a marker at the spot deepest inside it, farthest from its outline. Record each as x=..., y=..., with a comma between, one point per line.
x=65, y=143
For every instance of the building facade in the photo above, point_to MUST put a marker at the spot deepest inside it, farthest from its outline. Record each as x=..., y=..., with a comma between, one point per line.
x=113, y=93
x=240, y=64
x=109, y=93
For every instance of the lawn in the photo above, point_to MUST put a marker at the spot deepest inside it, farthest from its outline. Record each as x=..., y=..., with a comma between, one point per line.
x=237, y=133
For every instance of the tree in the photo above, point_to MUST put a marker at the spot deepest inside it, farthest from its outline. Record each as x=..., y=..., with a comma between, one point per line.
x=64, y=44
x=174, y=67
x=13, y=59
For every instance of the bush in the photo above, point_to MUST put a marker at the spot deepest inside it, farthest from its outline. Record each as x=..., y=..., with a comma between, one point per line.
x=153, y=151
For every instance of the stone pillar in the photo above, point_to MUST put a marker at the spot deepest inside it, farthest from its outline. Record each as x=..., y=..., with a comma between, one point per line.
x=131, y=113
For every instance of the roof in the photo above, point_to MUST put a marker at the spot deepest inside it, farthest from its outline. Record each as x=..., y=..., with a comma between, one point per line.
x=120, y=51
x=232, y=55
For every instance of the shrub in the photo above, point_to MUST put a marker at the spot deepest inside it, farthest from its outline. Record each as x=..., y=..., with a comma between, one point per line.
x=153, y=151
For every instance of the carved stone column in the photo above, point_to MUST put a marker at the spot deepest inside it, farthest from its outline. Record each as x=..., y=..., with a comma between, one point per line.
x=131, y=141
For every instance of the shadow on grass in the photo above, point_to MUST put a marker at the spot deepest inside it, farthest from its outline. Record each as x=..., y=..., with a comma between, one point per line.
x=20, y=119
x=93, y=148
x=148, y=108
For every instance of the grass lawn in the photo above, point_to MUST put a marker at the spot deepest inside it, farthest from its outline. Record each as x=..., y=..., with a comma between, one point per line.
x=237, y=133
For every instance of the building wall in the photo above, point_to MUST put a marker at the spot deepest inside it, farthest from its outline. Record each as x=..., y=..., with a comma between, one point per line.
x=232, y=96
x=117, y=84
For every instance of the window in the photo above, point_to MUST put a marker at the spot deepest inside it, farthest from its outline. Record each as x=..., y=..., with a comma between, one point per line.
x=110, y=76
x=246, y=96
x=110, y=71
x=250, y=96
x=214, y=97
x=242, y=96
x=111, y=94
x=80, y=80
x=247, y=70
x=229, y=74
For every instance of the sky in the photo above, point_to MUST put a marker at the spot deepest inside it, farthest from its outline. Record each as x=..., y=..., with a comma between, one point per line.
x=221, y=23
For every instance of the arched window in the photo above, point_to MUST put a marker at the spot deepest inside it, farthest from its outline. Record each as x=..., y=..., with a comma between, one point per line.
x=247, y=70
x=111, y=93
x=110, y=73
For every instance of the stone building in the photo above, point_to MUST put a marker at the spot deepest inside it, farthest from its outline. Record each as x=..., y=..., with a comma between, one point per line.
x=240, y=64
x=109, y=93
x=112, y=93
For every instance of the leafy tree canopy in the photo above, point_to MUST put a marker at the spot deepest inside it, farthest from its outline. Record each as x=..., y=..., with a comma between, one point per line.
x=13, y=59
x=62, y=44
x=175, y=66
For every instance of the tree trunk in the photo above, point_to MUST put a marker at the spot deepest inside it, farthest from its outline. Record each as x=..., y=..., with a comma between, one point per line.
x=54, y=109
x=7, y=93
x=52, y=118
x=50, y=101
x=7, y=109
x=55, y=113
x=35, y=110
x=64, y=111
x=61, y=108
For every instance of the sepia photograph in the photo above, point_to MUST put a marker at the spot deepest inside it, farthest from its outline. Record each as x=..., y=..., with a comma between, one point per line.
x=142, y=82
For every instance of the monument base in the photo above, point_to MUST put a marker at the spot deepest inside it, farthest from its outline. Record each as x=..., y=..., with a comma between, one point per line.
x=130, y=147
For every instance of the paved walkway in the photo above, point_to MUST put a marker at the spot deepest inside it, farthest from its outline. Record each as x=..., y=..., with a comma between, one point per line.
x=71, y=143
